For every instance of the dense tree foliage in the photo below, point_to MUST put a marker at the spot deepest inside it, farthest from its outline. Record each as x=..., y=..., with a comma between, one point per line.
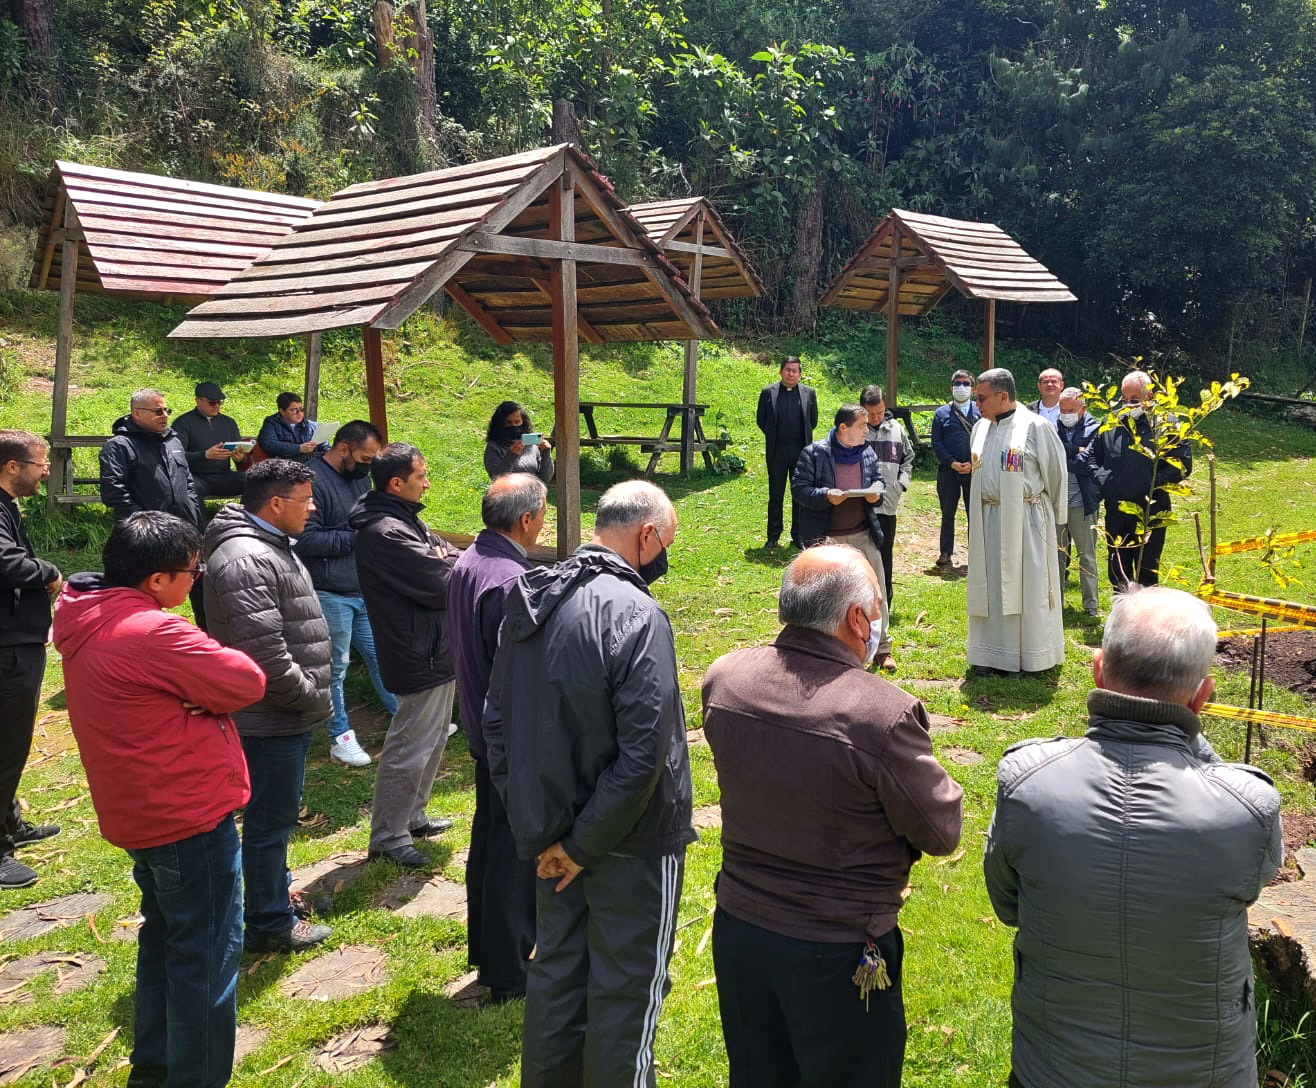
x=1158, y=157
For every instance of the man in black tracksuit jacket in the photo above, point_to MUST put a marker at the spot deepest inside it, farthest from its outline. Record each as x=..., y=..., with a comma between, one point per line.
x=586, y=747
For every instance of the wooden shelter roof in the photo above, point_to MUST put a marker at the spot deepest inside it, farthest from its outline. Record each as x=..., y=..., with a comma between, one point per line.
x=936, y=255
x=153, y=237
x=673, y=226
x=374, y=253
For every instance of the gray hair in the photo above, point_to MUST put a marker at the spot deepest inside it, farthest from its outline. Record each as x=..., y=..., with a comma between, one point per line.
x=1071, y=392
x=1140, y=376
x=999, y=379
x=511, y=497
x=632, y=503
x=820, y=599
x=1159, y=643
x=141, y=396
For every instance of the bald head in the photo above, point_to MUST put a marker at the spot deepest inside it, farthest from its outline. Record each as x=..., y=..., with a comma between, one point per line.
x=635, y=519
x=515, y=505
x=1158, y=644
x=832, y=589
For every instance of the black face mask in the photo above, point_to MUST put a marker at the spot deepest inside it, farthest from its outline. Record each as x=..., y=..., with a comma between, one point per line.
x=511, y=434
x=358, y=471
x=655, y=568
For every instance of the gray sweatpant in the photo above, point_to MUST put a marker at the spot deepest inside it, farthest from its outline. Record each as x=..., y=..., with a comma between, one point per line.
x=409, y=764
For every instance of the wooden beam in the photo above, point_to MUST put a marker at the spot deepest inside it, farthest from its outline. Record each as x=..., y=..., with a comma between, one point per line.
x=551, y=249
x=911, y=263
x=311, y=397
x=60, y=459
x=690, y=380
x=698, y=248
x=566, y=368
x=989, y=334
x=481, y=315
x=587, y=332
x=374, y=350
x=893, y=320
x=49, y=256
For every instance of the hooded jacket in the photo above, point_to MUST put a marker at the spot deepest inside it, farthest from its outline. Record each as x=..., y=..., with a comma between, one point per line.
x=327, y=544
x=143, y=470
x=1127, y=859
x=583, y=724
x=259, y=599
x=157, y=772
x=24, y=599
x=404, y=570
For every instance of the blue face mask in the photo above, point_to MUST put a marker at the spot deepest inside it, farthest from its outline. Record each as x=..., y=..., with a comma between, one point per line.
x=874, y=640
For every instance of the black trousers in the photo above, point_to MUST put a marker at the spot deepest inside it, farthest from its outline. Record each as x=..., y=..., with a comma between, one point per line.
x=226, y=486
x=792, y=1017
x=599, y=976
x=780, y=466
x=500, y=894
x=888, y=524
x=952, y=491
x=1122, y=564
x=21, y=669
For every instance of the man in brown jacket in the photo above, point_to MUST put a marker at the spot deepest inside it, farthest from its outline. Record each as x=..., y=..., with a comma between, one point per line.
x=830, y=792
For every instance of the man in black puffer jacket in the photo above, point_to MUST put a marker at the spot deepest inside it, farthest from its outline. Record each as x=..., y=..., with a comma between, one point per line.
x=144, y=466
x=404, y=570
x=586, y=746
x=260, y=600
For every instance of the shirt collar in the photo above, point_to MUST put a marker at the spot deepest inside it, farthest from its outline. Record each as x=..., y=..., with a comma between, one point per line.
x=263, y=524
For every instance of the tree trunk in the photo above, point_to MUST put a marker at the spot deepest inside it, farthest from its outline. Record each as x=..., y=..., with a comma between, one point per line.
x=808, y=259
x=415, y=47
x=33, y=18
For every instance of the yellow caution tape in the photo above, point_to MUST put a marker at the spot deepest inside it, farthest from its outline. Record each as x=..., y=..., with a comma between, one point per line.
x=1258, y=543
x=1301, y=615
x=1252, y=632
x=1259, y=717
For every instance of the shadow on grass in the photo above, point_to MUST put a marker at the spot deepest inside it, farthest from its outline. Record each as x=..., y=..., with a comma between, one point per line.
x=770, y=557
x=1010, y=691
x=439, y=1042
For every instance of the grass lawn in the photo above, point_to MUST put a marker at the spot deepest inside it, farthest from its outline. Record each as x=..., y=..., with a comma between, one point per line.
x=444, y=381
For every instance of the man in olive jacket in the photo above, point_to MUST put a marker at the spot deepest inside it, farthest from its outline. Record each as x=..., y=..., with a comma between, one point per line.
x=1127, y=859
x=259, y=599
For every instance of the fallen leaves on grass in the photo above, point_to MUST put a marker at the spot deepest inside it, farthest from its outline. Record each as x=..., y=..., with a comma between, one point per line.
x=353, y=1049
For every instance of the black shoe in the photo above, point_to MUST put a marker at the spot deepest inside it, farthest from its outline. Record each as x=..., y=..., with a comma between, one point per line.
x=502, y=997
x=773, y=542
x=29, y=833
x=431, y=828
x=14, y=874
x=406, y=856
x=302, y=935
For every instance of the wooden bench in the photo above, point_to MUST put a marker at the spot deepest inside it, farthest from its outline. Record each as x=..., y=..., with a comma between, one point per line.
x=905, y=413
x=60, y=487
x=692, y=431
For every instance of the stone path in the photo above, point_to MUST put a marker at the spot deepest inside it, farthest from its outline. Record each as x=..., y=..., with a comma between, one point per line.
x=1282, y=931
x=340, y=973
x=250, y=1039
x=465, y=991
x=330, y=875
x=125, y=929
x=23, y=1051
x=708, y=816
x=352, y=1049
x=41, y=918
x=965, y=757
x=72, y=972
x=424, y=895
x=939, y=723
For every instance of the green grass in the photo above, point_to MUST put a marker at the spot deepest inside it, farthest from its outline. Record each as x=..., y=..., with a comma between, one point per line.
x=721, y=594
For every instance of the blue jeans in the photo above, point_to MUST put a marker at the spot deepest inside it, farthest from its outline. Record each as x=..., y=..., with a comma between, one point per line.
x=277, y=766
x=187, y=958
x=349, y=627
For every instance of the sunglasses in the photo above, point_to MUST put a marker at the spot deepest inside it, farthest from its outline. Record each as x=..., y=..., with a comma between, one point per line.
x=154, y=411
x=195, y=572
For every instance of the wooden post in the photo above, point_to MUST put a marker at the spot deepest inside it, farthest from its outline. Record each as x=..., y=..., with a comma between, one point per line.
x=893, y=320
x=60, y=482
x=374, y=345
x=1306, y=307
x=691, y=381
x=566, y=367
x=311, y=395
x=989, y=334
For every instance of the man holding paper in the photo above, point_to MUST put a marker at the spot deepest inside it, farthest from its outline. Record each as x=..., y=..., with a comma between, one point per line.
x=1019, y=494
x=838, y=486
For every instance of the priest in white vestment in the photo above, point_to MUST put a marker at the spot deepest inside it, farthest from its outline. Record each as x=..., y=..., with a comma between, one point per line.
x=1019, y=493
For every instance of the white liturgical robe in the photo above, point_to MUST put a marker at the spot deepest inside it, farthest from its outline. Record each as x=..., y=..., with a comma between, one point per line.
x=1019, y=494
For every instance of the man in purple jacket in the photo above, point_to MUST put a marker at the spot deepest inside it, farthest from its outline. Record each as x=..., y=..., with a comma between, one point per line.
x=500, y=887
x=830, y=792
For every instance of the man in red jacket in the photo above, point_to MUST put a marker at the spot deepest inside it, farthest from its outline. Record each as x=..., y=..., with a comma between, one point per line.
x=149, y=698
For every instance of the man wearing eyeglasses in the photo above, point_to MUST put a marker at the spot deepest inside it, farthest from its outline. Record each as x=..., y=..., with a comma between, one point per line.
x=26, y=586
x=144, y=466
x=203, y=432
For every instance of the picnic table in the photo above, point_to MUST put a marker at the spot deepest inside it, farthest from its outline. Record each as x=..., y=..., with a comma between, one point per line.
x=692, y=430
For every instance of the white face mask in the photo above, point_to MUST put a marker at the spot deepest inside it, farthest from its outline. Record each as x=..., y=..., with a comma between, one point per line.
x=1068, y=419
x=874, y=640
x=1135, y=412
x=960, y=393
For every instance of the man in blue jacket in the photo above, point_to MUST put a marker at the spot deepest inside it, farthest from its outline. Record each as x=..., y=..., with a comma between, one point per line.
x=1078, y=432
x=951, y=426
x=288, y=433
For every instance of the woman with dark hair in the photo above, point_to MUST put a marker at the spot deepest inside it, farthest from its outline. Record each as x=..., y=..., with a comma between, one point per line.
x=504, y=450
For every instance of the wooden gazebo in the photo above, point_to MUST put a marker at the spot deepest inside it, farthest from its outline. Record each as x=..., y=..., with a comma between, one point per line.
x=141, y=236
x=535, y=247
x=910, y=262
x=692, y=234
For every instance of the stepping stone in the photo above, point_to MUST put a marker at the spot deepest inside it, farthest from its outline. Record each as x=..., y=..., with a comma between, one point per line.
x=1282, y=931
x=931, y=684
x=40, y=918
x=71, y=973
x=695, y=736
x=330, y=875
x=421, y=895
x=708, y=816
x=466, y=992
x=340, y=973
x=965, y=757
x=23, y=1051
x=939, y=723
x=126, y=929
x=250, y=1039
x=352, y=1049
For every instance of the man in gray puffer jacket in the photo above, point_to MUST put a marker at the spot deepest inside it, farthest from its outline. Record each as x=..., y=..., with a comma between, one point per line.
x=259, y=599
x=1128, y=859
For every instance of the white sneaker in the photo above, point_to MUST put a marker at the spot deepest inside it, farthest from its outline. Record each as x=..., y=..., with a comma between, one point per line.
x=345, y=749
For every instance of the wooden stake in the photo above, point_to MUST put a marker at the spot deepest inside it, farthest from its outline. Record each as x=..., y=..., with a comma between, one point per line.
x=566, y=367
x=60, y=482
x=690, y=383
x=989, y=334
x=374, y=347
x=1306, y=306
x=311, y=396
x=893, y=320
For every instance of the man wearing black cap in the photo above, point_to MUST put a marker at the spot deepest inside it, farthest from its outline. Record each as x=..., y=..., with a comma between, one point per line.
x=203, y=431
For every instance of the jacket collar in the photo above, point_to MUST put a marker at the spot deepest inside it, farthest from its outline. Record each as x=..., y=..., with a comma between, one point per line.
x=1129, y=717
x=815, y=644
x=491, y=541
